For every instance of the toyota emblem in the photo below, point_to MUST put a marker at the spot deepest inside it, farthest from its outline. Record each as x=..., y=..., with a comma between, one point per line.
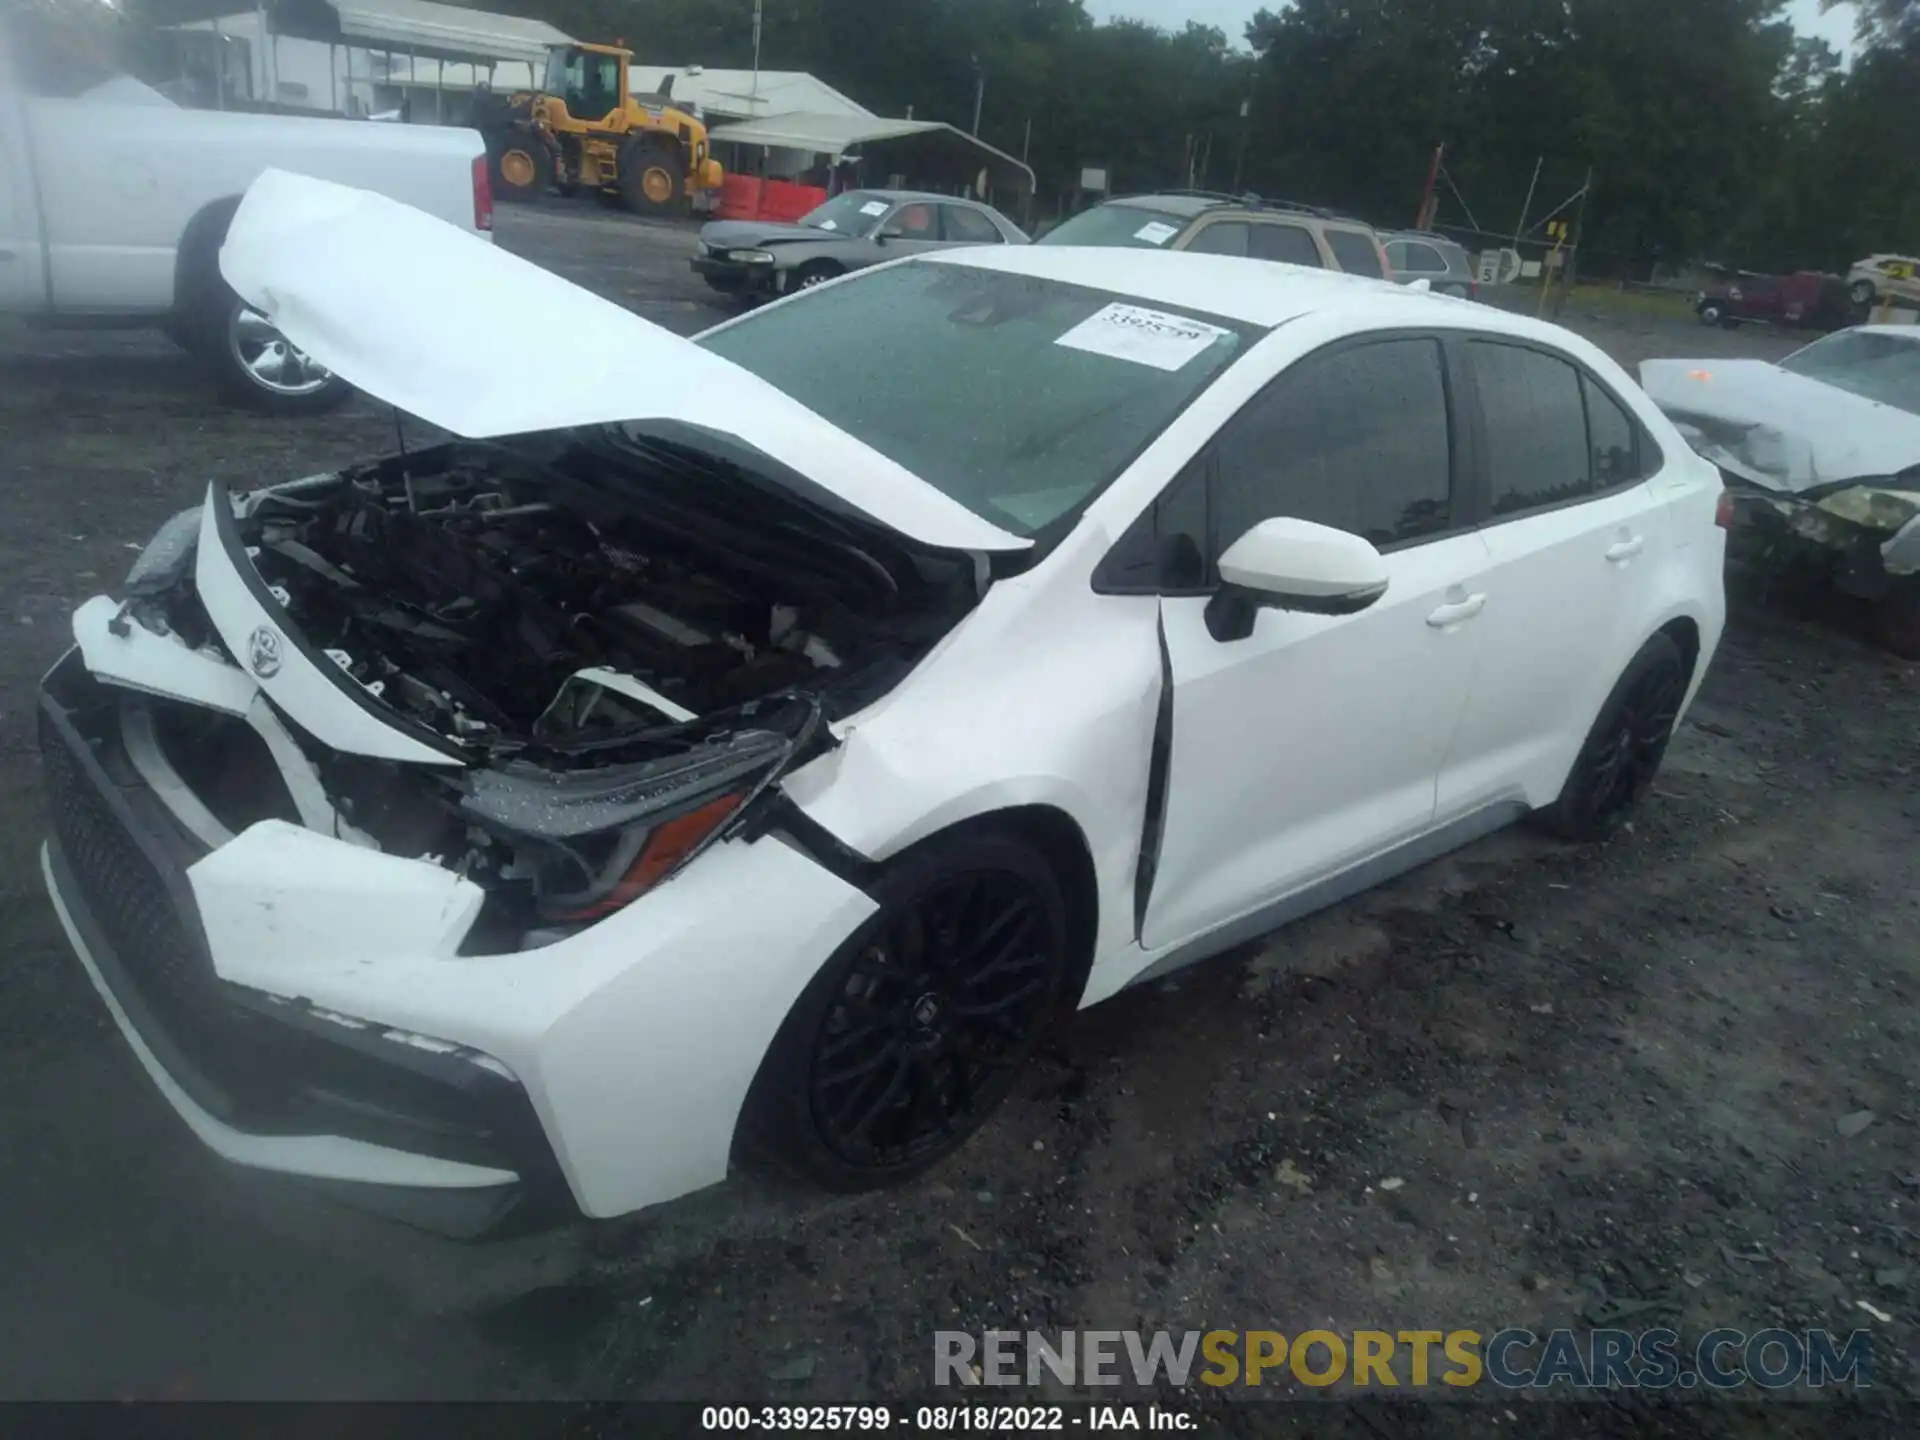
x=263, y=652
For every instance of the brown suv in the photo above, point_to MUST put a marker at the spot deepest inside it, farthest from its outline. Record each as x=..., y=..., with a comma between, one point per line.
x=1225, y=225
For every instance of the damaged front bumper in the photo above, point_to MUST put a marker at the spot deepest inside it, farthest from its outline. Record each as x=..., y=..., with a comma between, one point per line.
x=1866, y=537
x=303, y=1003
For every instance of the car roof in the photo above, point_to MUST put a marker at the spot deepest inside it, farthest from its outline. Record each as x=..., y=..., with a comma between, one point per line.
x=1261, y=293
x=1425, y=236
x=914, y=195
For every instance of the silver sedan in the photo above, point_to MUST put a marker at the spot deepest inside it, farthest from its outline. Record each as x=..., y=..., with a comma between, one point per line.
x=853, y=230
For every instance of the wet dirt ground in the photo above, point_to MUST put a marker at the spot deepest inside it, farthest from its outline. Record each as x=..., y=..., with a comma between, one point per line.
x=1530, y=1085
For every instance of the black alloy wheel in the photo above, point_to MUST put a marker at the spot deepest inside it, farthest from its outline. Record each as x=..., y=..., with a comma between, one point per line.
x=1624, y=749
x=913, y=1034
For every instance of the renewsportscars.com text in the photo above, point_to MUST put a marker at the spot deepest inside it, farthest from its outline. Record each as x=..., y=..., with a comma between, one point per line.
x=1510, y=1359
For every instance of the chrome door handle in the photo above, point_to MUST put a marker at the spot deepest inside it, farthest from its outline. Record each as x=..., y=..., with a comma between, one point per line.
x=1625, y=550
x=1454, y=614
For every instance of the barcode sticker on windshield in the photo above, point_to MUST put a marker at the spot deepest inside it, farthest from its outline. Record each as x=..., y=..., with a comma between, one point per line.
x=874, y=207
x=1144, y=337
x=1155, y=233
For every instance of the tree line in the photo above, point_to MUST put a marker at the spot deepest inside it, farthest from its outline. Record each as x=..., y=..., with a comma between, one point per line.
x=1711, y=130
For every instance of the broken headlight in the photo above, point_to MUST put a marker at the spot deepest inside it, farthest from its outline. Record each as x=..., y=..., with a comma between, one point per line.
x=168, y=557
x=596, y=840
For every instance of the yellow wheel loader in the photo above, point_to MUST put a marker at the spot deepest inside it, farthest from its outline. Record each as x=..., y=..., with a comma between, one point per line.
x=585, y=130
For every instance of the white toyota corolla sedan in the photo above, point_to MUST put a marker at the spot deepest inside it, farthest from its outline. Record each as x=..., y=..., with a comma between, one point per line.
x=760, y=739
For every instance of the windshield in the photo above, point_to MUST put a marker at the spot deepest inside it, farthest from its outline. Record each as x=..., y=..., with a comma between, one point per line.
x=1021, y=398
x=1871, y=364
x=1132, y=226
x=588, y=81
x=855, y=213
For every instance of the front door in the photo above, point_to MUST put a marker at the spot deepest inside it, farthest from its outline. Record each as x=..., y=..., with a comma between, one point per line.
x=1317, y=741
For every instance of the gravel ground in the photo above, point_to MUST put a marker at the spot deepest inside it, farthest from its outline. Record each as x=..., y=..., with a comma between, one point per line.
x=1610, y=1081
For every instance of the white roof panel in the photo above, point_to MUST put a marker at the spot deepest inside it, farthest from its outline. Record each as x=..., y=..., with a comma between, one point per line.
x=425, y=25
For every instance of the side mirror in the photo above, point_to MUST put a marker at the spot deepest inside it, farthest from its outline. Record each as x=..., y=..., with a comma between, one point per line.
x=889, y=234
x=1293, y=565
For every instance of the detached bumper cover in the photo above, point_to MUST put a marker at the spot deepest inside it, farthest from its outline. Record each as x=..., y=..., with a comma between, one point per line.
x=301, y=1001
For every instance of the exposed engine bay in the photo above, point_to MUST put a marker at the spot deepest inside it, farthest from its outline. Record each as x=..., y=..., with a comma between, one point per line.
x=510, y=600
x=627, y=641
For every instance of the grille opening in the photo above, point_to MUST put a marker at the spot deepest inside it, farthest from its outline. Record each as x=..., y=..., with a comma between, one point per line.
x=224, y=762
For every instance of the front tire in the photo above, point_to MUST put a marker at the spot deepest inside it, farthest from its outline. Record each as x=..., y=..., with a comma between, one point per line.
x=1624, y=748
x=1861, y=292
x=814, y=272
x=522, y=167
x=913, y=1033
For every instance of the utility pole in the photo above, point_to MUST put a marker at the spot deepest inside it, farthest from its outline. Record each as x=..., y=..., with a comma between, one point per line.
x=753, y=97
x=979, y=92
x=1026, y=142
x=1423, y=217
x=1246, y=123
x=1579, y=233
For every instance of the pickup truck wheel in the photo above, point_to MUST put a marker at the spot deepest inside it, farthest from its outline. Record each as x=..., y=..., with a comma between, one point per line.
x=1861, y=292
x=259, y=368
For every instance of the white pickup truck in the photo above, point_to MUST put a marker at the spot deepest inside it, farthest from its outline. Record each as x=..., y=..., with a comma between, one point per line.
x=114, y=202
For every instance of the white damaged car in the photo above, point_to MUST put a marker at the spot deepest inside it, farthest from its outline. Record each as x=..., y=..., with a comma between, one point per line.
x=762, y=739
x=1821, y=457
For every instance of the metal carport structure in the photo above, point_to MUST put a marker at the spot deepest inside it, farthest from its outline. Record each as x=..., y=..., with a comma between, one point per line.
x=925, y=153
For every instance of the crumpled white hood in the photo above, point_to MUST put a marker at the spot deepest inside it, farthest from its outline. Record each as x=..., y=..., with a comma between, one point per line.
x=1780, y=430
x=444, y=325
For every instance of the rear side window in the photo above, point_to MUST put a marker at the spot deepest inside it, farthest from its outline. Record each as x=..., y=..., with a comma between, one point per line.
x=1356, y=253
x=1223, y=237
x=1290, y=243
x=1612, y=439
x=1536, y=427
x=1410, y=257
x=1358, y=439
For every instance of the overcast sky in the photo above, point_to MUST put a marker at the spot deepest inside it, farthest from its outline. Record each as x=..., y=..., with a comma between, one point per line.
x=1232, y=16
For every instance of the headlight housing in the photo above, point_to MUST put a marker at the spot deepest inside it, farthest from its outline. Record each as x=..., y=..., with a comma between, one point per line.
x=751, y=257
x=593, y=841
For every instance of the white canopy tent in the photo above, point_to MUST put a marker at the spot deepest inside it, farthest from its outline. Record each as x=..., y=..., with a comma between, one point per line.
x=424, y=27
x=834, y=136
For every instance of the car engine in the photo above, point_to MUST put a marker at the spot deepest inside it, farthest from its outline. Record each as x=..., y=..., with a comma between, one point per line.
x=501, y=600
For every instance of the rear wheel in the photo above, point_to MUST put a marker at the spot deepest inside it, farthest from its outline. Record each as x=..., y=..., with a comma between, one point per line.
x=913, y=1033
x=652, y=177
x=1624, y=749
x=1861, y=292
x=260, y=368
x=522, y=167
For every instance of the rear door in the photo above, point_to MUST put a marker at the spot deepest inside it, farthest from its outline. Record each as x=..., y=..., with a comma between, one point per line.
x=1316, y=741
x=1572, y=531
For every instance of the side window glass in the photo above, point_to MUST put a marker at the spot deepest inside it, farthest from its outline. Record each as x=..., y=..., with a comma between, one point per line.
x=1221, y=238
x=1358, y=440
x=1290, y=243
x=1536, y=427
x=969, y=226
x=1355, y=252
x=1611, y=439
x=1424, y=260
